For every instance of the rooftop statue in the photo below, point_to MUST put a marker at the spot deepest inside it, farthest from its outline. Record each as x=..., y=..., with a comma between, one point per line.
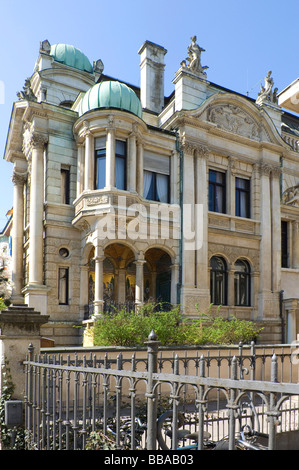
x=26, y=93
x=194, y=58
x=266, y=93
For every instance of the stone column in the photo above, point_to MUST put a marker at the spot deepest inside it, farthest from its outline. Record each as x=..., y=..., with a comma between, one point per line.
x=36, y=210
x=276, y=228
x=110, y=159
x=84, y=271
x=139, y=164
x=88, y=174
x=121, y=286
x=99, y=290
x=80, y=170
x=174, y=174
x=265, y=296
x=231, y=286
x=188, y=217
x=17, y=236
x=231, y=190
x=139, y=287
x=132, y=162
x=202, y=278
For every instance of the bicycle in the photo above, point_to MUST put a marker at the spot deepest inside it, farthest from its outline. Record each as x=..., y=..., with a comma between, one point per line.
x=125, y=433
x=247, y=439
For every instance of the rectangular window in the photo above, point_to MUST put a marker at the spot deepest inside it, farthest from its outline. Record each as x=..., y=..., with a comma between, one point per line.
x=242, y=197
x=156, y=177
x=65, y=186
x=100, y=163
x=284, y=244
x=155, y=186
x=120, y=164
x=63, y=286
x=217, y=191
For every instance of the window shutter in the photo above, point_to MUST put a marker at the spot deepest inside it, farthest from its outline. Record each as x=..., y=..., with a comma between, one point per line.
x=156, y=163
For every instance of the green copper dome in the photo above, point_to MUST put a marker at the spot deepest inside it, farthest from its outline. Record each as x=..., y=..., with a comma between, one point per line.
x=110, y=94
x=71, y=56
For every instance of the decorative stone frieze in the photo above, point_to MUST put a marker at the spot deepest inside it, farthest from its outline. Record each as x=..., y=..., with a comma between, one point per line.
x=234, y=119
x=291, y=196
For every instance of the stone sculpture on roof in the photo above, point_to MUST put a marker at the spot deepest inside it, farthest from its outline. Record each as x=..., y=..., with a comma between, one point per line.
x=26, y=93
x=194, y=58
x=266, y=93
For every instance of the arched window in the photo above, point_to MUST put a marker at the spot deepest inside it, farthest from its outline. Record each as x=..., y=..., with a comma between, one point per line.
x=218, y=281
x=242, y=283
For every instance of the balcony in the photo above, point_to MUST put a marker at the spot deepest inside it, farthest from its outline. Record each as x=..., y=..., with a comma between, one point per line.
x=155, y=218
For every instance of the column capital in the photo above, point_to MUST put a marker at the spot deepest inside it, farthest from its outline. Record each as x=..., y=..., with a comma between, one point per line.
x=195, y=149
x=38, y=140
x=140, y=262
x=19, y=178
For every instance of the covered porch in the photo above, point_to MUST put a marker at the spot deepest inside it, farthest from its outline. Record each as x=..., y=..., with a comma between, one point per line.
x=118, y=278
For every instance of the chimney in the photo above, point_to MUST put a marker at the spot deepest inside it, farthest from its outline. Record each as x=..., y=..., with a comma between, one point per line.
x=152, y=76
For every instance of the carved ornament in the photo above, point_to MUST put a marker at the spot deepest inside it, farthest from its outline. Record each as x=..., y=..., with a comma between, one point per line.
x=234, y=119
x=194, y=148
x=291, y=196
x=19, y=178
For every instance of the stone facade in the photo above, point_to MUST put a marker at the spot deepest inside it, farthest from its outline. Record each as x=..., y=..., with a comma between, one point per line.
x=188, y=199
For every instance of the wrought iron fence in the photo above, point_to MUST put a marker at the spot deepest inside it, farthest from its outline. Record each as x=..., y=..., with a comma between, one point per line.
x=68, y=400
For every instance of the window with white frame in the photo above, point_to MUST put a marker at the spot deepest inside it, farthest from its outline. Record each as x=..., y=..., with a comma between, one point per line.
x=120, y=163
x=156, y=177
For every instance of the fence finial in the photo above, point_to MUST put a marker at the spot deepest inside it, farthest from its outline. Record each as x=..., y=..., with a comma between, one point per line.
x=152, y=336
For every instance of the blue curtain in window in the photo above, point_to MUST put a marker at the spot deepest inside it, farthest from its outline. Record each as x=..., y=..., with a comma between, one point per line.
x=147, y=184
x=162, y=187
x=101, y=172
x=120, y=172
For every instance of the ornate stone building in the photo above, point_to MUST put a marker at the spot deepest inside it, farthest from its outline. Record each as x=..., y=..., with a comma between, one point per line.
x=122, y=195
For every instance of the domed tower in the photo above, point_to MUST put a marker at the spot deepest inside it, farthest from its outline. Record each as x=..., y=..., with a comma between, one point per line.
x=109, y=123
x=61, y=72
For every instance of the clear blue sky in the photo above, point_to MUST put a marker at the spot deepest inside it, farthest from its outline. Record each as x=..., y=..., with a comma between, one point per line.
x=242, y=39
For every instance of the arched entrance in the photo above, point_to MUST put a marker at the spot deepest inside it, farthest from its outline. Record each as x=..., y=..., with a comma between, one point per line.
x=118, y=278
x=157, y=276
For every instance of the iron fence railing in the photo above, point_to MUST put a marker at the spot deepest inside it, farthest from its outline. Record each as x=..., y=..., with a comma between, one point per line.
x=66, y=400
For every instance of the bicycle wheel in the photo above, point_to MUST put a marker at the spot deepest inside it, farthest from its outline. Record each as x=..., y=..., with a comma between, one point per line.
x=164, y=430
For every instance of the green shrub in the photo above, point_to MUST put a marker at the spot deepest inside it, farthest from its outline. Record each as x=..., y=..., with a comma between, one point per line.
x=128, y=328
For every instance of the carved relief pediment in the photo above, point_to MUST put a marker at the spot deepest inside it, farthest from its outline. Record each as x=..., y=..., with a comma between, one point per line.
x=291, y=196
x=234, y=119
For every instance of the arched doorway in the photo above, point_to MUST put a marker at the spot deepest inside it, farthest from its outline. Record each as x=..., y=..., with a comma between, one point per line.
x=119, y=278
x=157, y=276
